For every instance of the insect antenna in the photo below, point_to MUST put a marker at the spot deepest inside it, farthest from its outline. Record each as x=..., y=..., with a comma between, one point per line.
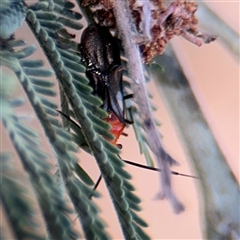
x=68, y=118
x=157, y=169
x=144, y=167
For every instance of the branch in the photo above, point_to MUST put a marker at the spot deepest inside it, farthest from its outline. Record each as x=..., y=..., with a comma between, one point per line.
x=135, y=69
x=219, y=187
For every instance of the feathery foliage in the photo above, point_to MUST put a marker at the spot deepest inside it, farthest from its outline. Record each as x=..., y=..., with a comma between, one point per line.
x=36, y=87
x=35, y=163
x=87, y=113
x=38, y=90
x=15, y=201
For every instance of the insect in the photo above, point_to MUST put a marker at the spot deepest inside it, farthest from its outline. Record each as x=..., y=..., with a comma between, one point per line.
x=101, y=56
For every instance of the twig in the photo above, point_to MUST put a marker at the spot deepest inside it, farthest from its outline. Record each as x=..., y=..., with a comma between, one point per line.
x=220, y=189
x=135, y=69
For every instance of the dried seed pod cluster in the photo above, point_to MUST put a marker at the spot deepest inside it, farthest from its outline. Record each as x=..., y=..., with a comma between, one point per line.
x=155, y=23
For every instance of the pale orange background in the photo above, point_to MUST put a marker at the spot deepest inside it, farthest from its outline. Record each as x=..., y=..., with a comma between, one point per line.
x=214, y=76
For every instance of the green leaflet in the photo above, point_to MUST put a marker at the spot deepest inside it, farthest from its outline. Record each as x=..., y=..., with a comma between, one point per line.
x=86, y=113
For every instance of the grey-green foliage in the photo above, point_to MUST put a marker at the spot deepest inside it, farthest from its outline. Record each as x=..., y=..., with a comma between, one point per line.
x=12, y=14
x=137, y=126
x=12, y=193
x=139, y=131
x=37, y=167
x=48, y=21
x=31, y=76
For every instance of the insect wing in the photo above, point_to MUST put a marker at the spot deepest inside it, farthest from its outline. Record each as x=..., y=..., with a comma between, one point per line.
x=101, y=56
x=97, y=84
x=116, y=100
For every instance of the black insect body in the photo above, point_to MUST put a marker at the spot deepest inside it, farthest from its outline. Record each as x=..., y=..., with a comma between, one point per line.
x=101, y=56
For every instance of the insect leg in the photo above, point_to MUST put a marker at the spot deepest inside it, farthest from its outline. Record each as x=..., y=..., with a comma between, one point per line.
x=144, y=167
x=157, y=169
x=128, y=96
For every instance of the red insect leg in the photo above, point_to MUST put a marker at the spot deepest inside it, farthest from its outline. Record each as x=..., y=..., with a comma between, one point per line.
x=117, y=126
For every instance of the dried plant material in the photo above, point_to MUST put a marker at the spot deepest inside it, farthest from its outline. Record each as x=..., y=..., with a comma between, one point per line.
x=154, y=24
x=178, y=19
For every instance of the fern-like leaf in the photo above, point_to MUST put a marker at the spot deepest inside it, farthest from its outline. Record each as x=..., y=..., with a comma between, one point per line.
x=37, y=166
x=20, y=213
x=14, y=196
x=93, y=127
x=60, y=141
